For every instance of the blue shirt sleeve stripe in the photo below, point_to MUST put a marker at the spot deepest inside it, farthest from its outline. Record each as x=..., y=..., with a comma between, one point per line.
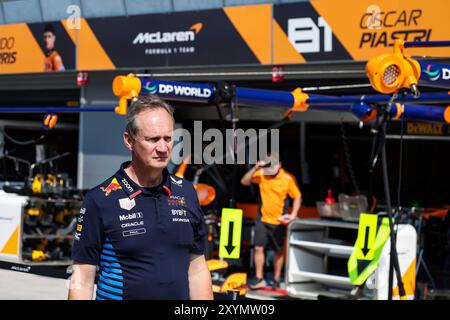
x=111, y=282
x=104, y=286
x=112, y=270
x=108, y=295
x=111, y=275
x=109, y=252
x=108, y=246
x=108, y=258
x=110, y=265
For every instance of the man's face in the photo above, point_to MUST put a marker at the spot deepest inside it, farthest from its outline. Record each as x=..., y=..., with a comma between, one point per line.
x=153, y=143
x=49, y=40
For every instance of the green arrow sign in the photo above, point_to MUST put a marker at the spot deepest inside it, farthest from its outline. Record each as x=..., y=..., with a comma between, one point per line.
x=230, y=233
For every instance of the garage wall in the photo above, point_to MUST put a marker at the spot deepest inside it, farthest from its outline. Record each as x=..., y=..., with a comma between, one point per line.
x=17, y=11
x=101, y=148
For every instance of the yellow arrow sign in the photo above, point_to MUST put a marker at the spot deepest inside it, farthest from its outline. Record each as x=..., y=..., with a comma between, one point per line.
x=366, y=236
x=230, y=233
x=358, y=277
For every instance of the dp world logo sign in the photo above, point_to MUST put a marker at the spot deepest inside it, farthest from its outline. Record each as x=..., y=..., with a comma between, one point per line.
x=434, y=73
x=152, y=88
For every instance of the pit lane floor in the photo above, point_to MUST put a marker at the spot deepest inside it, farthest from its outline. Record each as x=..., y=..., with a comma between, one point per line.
x=22, y=286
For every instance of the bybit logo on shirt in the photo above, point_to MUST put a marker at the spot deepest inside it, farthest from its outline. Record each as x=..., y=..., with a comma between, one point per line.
x=179, y=212
x=169, y=37
x=130, y=216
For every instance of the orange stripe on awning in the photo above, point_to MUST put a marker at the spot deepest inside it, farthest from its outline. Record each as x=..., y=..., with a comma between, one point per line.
x=283, y=50
x=253, y=24
x=91, y=55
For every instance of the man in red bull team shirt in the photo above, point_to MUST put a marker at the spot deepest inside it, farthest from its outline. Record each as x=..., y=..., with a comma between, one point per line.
x=146, y=244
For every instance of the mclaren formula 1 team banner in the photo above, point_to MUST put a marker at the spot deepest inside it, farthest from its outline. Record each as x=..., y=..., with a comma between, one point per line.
x=319, y=30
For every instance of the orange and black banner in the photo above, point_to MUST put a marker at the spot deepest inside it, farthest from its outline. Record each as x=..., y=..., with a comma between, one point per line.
x=319, y=30
x=63, y=45
x=177, y=39
x=367, y=28
x=35, y=47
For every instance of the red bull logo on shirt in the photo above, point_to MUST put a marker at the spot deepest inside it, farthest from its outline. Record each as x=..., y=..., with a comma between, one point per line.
x=113, y=186
x=176, y=201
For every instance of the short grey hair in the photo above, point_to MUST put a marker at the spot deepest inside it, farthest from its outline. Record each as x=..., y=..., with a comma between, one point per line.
x=140, y=104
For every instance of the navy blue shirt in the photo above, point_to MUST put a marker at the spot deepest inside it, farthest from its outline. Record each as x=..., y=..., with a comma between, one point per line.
x=140, y=238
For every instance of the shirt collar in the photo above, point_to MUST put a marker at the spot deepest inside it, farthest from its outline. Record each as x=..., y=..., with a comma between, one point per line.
x=132, y=189
x=49, y=52
x=280, y=172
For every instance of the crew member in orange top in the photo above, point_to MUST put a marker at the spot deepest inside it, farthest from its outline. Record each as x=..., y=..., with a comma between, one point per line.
x=52, y=60
x=275, y=185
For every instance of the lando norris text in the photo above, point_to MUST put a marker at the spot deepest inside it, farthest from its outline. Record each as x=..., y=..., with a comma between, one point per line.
x=224, y=309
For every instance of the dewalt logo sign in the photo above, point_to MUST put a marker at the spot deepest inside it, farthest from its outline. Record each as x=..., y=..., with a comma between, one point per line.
x=427, y=129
